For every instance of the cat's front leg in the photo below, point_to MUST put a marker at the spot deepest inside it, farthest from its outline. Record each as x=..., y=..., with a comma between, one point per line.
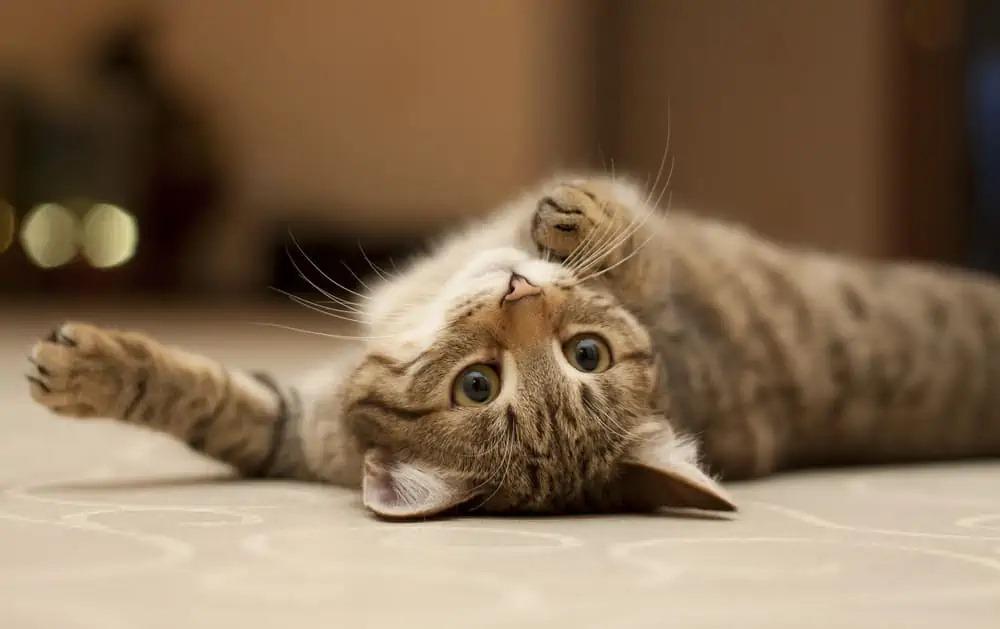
x=591, y=225
x=83, y=371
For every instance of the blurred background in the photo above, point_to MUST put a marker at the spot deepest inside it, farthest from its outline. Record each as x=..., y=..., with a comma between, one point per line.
x=169, y=147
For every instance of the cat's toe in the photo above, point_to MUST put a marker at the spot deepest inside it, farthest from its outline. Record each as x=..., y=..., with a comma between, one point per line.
x=47, y=384
x=68, y=374
x=62, y=335
x=563, y=219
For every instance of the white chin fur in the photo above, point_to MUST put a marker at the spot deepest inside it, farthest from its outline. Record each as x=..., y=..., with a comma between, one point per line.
x=487, y=272
x=490, y=271
x=487, y=263
x=540, y=272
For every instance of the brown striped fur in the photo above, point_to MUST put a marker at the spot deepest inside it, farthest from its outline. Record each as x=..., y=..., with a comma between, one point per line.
x=770, y=357
x=84, y=371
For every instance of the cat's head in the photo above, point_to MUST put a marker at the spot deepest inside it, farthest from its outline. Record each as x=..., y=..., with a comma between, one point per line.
x=516, y=389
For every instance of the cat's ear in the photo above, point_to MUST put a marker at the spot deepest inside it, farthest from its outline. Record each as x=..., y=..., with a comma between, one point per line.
x=404, y=490
x=662, y=471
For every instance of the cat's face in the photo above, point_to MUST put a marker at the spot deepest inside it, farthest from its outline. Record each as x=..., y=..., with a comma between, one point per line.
x=514, y=389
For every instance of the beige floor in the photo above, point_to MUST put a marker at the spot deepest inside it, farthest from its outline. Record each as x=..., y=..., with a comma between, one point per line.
x=106, y=526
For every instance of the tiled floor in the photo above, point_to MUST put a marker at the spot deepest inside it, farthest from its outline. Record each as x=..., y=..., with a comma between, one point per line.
x=106, y=526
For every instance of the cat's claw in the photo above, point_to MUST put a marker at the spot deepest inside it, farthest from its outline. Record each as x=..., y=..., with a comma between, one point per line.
x=72, y=372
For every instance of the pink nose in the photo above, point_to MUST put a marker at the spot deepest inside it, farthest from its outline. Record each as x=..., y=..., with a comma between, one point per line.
x=520, y=287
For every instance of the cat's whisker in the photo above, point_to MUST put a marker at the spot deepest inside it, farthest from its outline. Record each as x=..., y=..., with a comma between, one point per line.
x=594, y=241
x=605, y=245
x=637, y=223
x=632, y=254
x=320, y=271
x=620, y=262
x=652, y=207
x=602, y=236
x=333, y=299
x=484, y=452
x=604, y=426
x=617, y=240
x=478, y=454
x=340, y=337
x=511, y=438
x=356, y=276
x=320, y=307
x=335, y=302
x=649, y=203
x=612, y=425
x=628, y=232
x=329, y=312
x=382, y=273
x=622, y=432
x=608, y=233
x=659, y=170
x=576, y=252
x=666, y=185
x=580, y=250
x=343, y=302
x=496, y=471
x=663, y=158
x=503, y=465
x=323, y=303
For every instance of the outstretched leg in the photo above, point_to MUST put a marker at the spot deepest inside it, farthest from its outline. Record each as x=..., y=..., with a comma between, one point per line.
x=247, y=421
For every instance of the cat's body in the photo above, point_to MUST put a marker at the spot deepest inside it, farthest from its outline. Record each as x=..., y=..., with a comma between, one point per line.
x=496, y=378
x=781, y=358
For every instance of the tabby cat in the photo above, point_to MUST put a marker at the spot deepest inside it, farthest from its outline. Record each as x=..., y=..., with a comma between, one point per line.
x=581, y=351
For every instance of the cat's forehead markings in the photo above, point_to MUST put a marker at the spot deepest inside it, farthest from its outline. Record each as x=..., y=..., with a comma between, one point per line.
x=397, y=367
x=466, y=310
x=541, y=272
x=419, y=337
x=449, y=341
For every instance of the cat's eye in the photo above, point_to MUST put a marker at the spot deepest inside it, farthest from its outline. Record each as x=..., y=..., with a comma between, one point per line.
x=477, y=385
x=588, y=352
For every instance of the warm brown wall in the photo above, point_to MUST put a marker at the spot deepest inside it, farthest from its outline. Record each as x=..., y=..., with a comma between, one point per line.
x=786, y=114
x=382, y=117
x=41, y=40
x=781, y=112
x=931, y=131
x=435, y=107
x=388, y=112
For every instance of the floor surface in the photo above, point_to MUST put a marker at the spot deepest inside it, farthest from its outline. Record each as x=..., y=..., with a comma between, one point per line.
x=103, y=525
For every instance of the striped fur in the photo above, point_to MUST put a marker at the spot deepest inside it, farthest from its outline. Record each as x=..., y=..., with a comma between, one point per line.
x=769, y=357
x=84, y=371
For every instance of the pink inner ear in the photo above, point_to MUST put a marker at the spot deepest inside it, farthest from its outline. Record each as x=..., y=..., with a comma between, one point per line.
x=378, y=487
x=400, y=490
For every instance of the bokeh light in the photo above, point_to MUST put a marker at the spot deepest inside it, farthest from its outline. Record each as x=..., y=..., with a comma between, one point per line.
x=49, y=235
x=110, y=236
x=7, y=225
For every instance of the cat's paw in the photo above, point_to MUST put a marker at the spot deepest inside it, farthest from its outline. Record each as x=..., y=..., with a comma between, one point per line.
x=78, y=370
x=575, y=221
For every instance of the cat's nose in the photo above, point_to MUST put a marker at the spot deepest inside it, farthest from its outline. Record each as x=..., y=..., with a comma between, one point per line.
x=520, y=287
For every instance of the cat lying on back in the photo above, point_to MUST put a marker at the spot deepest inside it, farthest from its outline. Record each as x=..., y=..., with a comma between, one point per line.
x=580, y=351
